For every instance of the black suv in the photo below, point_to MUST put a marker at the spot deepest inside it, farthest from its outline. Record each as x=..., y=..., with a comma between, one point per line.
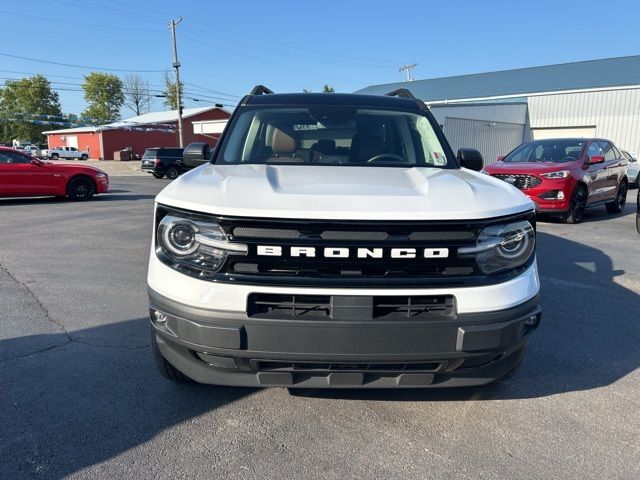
x=163, y=161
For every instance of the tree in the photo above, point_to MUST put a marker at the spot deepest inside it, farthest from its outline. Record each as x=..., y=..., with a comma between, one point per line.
x=105, y=96
x=170, y=93
x=136, y=94
x=326, y=89
x=25, y=107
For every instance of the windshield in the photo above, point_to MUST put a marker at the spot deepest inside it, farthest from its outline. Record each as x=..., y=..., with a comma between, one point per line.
x=332, y=135
x=550, y=151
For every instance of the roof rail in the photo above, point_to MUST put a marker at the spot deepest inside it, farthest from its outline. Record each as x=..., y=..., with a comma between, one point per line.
x=401, y=92
x=260, y=90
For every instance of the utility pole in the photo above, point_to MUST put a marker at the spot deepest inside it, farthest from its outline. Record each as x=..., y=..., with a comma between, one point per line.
x=176, y=65
x=408, y=68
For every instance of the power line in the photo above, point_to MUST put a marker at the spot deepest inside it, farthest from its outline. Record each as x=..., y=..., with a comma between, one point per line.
x=79, y=24
x=79, y=66
x=160, y=88
x=213, y=91
x=271, y=62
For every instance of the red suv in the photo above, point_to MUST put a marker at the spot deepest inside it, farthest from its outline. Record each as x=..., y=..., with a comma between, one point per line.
x=21, y=175
x=567, y=175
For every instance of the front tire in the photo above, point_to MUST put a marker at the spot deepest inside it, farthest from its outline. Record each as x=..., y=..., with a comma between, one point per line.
x=617, y=206
x=172, y=173
x=55, y=156
x=577, y=205
x=84, y=156
x=80, y=189
x=165, y=369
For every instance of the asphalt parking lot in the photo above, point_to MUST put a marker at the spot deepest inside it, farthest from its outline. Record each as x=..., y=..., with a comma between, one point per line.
x=80, y=396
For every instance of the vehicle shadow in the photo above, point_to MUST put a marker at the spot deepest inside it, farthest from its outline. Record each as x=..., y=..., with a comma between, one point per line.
x=103, y=197
x=67, y=404
x=588, y=337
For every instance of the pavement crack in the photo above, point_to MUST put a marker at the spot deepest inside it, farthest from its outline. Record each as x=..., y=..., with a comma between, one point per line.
x=39, y=303
x=37, y=352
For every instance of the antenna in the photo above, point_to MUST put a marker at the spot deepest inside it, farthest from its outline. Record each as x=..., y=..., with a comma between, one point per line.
x=408, y=68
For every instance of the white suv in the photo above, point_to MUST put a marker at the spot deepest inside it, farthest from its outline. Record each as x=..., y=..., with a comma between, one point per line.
x=333, y=240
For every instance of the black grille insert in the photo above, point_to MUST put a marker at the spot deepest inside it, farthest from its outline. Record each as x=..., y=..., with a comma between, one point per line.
x=520, y=181
x=328, y=367
x=345, y=308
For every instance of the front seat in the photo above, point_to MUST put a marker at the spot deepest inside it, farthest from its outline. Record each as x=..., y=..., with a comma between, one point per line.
x=364, y=147
x=284, y=149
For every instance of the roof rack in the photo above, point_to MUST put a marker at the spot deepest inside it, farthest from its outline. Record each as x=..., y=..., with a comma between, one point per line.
x=401, y=92
x=260, y=90
x=404, y=93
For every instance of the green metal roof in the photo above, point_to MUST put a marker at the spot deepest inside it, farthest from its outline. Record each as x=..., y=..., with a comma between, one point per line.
x=608, y=72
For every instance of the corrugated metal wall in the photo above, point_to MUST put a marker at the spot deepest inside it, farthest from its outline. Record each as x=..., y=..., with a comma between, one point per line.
x=493, y=129
x=505, y=112
x=615, y=113
x=492, y=139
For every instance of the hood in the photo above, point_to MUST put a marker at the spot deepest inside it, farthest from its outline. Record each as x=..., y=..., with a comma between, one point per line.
x=343, y=193
x=72, y=166
x=501, y=167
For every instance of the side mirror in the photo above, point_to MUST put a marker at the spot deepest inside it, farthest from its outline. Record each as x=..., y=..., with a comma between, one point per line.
x=35, y=161
x=196, y=154
x=596, y=159
x=500, y=158
x=470, y=158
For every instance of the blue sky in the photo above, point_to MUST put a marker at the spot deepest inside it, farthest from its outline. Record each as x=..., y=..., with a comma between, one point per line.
x=227, y=47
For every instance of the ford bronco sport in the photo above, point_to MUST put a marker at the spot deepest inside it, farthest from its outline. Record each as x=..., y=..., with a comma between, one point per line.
x=334, y=240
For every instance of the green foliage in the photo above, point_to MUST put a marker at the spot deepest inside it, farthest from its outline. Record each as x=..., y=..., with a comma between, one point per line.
x=170, y=92
x=326, y=89
x=104, y=94
x=23, y=102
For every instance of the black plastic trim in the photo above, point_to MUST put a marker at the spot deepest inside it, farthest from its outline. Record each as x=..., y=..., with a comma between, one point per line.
x=406, y=281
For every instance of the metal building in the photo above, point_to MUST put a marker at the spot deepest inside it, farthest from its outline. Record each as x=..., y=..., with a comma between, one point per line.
x=496, y=111
x=155, y=129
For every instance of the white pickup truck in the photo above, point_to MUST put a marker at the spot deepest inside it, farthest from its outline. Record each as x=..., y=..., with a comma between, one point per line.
x=65, y=152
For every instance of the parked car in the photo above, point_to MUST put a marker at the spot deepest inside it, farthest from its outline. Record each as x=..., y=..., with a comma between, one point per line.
x=33, y=150
x=161, y=161
x=21, y=175
x=633, y=169
x=337, y=241
x=565, y=176
x=65, y=152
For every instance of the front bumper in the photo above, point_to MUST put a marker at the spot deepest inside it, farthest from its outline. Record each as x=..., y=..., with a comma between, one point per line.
x=102, y=184
x=152, y=168
x=230, y=348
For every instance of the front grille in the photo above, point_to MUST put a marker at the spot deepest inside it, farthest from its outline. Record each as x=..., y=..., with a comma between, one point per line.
x=368, y=246
x=520, y=181
x=345, y=308
x=351, y=270
x=329, y=367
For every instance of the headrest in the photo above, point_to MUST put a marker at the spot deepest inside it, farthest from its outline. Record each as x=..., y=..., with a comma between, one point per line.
x=281, y=143
x=326, y=146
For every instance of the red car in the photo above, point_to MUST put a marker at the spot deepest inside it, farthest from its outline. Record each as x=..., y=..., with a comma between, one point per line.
x=21, y=175
x=565, y=176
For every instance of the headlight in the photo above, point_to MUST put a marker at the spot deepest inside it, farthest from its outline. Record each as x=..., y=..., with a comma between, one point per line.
x=558, y=174
x=101, y=175
x=502, y=247
x=196, y=246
